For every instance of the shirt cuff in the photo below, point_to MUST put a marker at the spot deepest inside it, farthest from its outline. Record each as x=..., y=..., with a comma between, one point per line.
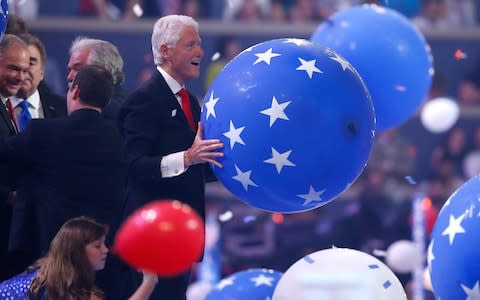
x=172, y=165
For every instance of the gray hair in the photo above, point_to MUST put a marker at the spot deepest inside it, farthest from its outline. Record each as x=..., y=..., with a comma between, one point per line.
x=102, y=54
x=166, y=31
x=9, y=40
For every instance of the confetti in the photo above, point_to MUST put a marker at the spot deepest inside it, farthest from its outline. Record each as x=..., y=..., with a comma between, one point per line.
x=410, y=180
x=226, y=216
x=137, y=10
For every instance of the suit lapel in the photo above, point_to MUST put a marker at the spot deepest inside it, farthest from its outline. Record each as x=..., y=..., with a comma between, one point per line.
x=162, y=91
x=49, y=111
x=6, y=119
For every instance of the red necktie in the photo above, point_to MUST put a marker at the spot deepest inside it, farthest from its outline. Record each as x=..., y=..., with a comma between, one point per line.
x=187, y=110
x=11, y=113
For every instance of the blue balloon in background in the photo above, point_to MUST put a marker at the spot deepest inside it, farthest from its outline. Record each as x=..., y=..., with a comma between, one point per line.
x=3, y=16
x=389, y=53
x=453, y=254
x=252, y=284
x=297, y=123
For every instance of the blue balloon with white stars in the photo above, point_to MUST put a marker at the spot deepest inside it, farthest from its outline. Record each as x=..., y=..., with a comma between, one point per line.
x=389, y=52
x=3, y=17
x=453, y=254
x=252, y=284
x=297, y=123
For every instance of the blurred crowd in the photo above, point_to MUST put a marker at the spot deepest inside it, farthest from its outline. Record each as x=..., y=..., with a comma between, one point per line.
x=427, y=14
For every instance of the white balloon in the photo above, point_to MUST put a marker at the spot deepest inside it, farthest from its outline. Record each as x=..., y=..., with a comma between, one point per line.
x=403, y=256
x=439, y=114
x=198, y=290
x=471, y=164
x=339, y=274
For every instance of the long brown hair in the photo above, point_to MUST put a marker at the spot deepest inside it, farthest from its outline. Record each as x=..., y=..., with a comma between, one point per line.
x=65, y=272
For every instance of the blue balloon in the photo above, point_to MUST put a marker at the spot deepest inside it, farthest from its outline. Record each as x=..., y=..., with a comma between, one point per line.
x=252, y=284
x=389, y=53
x=3, y=16
x=453, y=254
x=297, y=123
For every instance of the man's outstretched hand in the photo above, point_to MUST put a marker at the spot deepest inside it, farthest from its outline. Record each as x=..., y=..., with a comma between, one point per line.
x=203, y=151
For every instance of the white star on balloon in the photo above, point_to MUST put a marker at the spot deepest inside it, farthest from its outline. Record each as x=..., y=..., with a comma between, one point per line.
x=308, y=66
x=210, y=105
x=234, y=135
x=276, y=111
x=298, y=42
x=344, y=63
x=473, y=293
x=262, y=280
x=312, y=195
x=454, y=227
x=265, y=56
x=280, y=160
x=244, y=178
x=430, y=255
x=224, y=283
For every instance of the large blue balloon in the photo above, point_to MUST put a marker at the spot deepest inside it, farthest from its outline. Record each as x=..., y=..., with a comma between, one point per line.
x=297, y=123
x=453, y=254
x=252, y=284
x=3, y=17
x=388, y=52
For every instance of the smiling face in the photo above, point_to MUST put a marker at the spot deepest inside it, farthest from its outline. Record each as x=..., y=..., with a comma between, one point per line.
x=97, y=253
x=14, y=66
x=182, y=61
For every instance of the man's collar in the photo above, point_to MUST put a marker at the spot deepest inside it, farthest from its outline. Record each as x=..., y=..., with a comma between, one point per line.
x=33, y=100
x=171, y=82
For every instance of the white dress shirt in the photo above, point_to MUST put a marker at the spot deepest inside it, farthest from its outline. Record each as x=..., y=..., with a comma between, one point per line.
x=34, y=106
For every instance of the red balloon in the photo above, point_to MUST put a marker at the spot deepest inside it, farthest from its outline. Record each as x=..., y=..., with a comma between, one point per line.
x=164, y=237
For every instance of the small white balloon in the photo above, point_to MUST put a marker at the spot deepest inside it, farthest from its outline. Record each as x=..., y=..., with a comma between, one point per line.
x=340, y=274
x=198, y=290
x=403, y=256
x=439, y=114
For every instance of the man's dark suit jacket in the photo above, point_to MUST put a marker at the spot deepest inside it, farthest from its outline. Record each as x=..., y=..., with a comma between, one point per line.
x=54, y=105
x=70, y=166
x=6, y=129
x=23, y=214
x=12, y=263
x=153, y=125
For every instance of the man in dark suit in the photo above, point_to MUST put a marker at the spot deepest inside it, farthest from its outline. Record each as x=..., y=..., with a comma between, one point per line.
x=14, y=63
x=88, y=51
x=71, y=166
x=166, y=153
x=30, y=102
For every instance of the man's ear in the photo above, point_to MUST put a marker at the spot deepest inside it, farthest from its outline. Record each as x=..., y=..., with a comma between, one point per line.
x=75, y=90
x=164, y=51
